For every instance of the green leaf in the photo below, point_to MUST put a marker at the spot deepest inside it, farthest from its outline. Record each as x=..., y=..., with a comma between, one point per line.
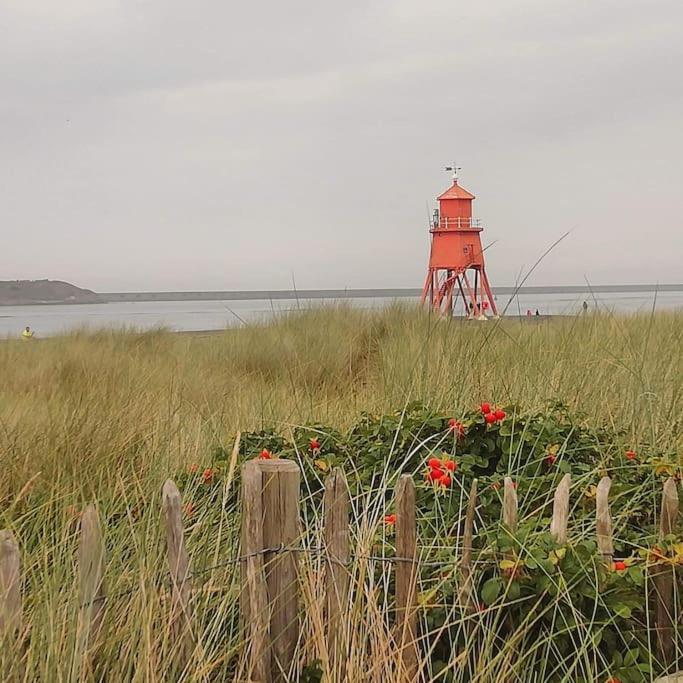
x=491, y=590
x=513, y=591
x=623, y=611
x=631, y=657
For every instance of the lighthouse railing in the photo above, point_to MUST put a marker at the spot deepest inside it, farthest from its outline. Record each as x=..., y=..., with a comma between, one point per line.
x=456, y=223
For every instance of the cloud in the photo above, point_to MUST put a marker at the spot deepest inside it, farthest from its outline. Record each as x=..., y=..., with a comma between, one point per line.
x=223, y=145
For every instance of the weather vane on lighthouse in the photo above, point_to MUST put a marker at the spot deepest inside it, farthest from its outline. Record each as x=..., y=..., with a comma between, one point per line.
x=456, y=261
x=455, y=170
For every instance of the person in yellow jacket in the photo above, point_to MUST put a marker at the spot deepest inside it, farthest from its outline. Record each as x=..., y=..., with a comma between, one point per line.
x=27, y=333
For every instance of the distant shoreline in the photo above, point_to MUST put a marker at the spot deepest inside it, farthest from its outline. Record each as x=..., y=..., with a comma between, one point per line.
x=81, y=297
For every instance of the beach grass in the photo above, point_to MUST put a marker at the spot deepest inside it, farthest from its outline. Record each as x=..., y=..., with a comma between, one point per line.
x=108, y=416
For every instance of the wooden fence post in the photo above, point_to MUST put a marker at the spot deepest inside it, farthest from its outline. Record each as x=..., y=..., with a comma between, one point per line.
x=92, y=592
x=663, y=577
x=336, y=507
x=467, y=593
x=10, y=606
x=510, y=505
x=179, y=568
x=10, y=585
x=406, y=578
x=254, y=597
x=603, y=521
x=558, y=525
x=281, y=532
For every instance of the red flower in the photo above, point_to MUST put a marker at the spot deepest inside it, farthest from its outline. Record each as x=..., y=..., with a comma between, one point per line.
x=435, y=474
x=390, y=520
x=265, y=454
x=451, y=465
x=619, y=566
x=434, y=462
x=207, y=475
x=550, y=458
x=500, y=415
x=315, y=445
x=485, y=408
x=445, y=481
x=630, y=455
x=193, y=468
x=489, y=418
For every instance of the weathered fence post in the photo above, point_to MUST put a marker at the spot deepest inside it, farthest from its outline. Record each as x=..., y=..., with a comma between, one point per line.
x=336, y=507
x=664, y=578
x=510, y=505
x=558, y=525
x=406, y=578
x=10, y=584
x=10, y=606
x=280, y=533
x=467, y=592
x=91, y=586
x=254, y=598
x=603, y=521
x=179, y=568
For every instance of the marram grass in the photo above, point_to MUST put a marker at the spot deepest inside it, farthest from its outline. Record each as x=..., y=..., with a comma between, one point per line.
x=108, y=416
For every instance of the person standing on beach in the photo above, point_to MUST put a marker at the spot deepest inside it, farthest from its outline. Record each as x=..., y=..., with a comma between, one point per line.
x=27, y=333
x=585, y=307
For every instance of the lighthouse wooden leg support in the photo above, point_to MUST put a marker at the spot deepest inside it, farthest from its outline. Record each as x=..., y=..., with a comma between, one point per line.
x=471, y=306
x=426, y=289
x=489, y=294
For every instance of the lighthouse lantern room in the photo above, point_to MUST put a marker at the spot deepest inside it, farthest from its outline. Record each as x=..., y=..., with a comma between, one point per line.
x=456, y=262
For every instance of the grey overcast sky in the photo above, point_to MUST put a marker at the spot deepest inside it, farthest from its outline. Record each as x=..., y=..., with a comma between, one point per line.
x=213, y=144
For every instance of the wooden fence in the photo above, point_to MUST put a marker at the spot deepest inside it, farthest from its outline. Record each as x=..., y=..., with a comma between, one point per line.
x=269, y=603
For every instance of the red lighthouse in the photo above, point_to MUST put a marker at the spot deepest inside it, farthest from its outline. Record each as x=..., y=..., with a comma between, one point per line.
x=456, y=261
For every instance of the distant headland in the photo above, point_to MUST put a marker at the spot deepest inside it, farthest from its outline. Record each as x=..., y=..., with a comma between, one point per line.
x=30, y=292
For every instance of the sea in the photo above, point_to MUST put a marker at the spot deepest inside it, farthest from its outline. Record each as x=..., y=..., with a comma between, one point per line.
x=208, y=315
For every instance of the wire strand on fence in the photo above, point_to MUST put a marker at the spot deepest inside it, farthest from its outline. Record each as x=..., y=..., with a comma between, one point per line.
x=311, y=550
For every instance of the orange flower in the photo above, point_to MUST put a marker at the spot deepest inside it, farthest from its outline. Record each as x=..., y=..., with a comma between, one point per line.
x=390, y=520
x=193, y=468
x=188, y=509
x=265, y=454
x=208, y=474
x=457, y=427
x=630, y=455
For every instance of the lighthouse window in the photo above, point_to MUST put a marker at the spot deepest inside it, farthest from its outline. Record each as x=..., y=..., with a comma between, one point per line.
x=464, y=250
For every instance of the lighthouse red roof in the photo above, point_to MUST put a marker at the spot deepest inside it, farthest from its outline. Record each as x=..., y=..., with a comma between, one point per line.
x=456, y=192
